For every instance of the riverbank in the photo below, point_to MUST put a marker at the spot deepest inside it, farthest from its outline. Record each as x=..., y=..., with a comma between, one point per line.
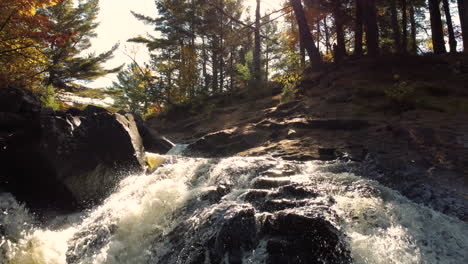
x=402, y=120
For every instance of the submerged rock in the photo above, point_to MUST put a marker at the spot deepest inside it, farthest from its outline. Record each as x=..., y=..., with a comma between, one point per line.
x=64, y=160
x=232, y=233
x=294, y=238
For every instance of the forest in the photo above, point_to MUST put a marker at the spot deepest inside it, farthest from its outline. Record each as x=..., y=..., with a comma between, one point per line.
x=250, y=131
x=202, y=48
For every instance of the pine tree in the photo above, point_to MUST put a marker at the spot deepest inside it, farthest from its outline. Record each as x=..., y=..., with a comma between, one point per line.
x=67, y=64
x=358, y=28
x=135, y=83
x=306, y=36
x=271, y=45
x=451, y=33
x=438, y=42
x=372, y=29
x=463, y=13
x=257, y=46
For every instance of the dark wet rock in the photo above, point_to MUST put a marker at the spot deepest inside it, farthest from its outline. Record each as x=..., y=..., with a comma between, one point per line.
x=224, y=237
x=65, y=160
x=230, y=235
x=268, y=183
x=152, y=141
x=214, y=194
x=411, y=178
x=255, y=195
x=294, y=191
x=294, y=238
x=94, y=110
x=280, y=204
x=18, y=101
x=237, y=234
x=85, y=243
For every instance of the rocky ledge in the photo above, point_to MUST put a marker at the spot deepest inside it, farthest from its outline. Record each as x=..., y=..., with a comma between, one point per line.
x=67, y=160
x=421, y=153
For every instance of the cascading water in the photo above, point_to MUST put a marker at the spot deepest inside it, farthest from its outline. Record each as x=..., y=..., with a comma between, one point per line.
x=179, y=214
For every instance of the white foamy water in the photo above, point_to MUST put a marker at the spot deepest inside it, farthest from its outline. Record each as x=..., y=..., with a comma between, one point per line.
x=129, y=227
x=72, y=99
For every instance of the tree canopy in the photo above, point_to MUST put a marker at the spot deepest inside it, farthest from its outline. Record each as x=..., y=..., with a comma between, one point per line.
x=203, y=48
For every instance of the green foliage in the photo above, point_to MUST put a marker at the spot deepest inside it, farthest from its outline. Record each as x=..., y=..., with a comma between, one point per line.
x=68, y=62
x=245, y=70
x=400, y=91
x=290, y=79
x=134, y=84
x=150, y=112
x=49, y=98
x=23, y=34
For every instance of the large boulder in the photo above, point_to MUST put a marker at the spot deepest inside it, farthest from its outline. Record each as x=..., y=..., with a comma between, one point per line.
x=64, y=160
x=152, y=140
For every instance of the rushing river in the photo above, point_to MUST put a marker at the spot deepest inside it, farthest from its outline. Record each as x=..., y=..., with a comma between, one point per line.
x=136, y=224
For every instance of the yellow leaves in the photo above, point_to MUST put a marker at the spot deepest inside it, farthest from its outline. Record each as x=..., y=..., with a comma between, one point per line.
x=23, y=35
x=29, y=7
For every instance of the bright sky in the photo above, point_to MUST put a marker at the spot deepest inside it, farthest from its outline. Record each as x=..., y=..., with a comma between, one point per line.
x=117, y=25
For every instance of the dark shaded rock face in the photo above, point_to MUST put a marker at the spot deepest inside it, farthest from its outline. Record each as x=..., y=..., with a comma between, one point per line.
x=232, y=234
x=222, y=144
x=63, y=160
x=152, y=141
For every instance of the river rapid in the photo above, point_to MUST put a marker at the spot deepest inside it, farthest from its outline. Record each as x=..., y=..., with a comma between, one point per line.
x=155, y=218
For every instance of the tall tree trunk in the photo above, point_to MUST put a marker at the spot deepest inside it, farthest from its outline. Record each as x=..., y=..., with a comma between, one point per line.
x=231, y=70
x=306, y=36
x=327, y=35
x=448, y=18
x=257, y=46
x=372, y=29
x=395, y=26
x=318, y=33
x=358, y=29
x=221, y=50
x=267, y=62
x=205, y=74
x=221, y=70
x=414, y=44
x=214, y=65
x=463, y=13
x=231, y=61
x=404, y=24
x=302, y=52
x=193, y=84
x=436, y=27
x=340, y=38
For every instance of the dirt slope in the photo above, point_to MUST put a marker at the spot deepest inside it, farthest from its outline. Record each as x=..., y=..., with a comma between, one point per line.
x=346, y=113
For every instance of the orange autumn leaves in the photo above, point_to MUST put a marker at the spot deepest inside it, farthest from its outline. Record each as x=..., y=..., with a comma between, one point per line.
x=23, y=35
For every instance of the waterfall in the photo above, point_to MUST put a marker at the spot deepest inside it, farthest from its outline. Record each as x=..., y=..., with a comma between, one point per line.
x=161, y=217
